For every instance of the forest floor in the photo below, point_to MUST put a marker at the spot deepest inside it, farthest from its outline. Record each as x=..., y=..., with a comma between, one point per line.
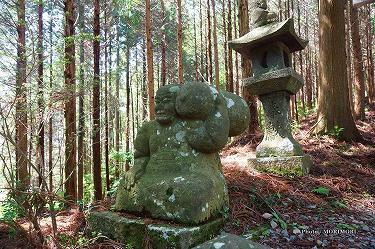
x=332, y=207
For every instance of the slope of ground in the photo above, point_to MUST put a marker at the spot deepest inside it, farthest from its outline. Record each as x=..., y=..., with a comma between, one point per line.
x=340, y=215
x=332, y=207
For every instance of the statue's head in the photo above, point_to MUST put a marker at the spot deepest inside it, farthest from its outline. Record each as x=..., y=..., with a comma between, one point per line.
x=261, y=4
x=165, y=101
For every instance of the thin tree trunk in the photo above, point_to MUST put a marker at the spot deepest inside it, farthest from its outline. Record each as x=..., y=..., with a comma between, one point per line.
x=150, y=56
x=21, y=101
x=202, y=72
x=117, y=106
x=359, y=84
x=70, y=104
x=128, y=87
x=81, y=120
x=209, y=43
x=40, y=146
x=179, y=42
x=216, y=51
x=236, y=54
x=195, y=46
x=96, y=154
x=50, y=121
x=370, y=57
x=106, y=112
x=163, y=45
x=230, y=54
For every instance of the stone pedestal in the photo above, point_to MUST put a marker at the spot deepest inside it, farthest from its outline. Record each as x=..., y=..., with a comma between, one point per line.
x=138, y=232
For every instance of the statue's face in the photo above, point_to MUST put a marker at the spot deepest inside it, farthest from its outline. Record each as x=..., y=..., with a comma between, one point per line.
x=165, y=104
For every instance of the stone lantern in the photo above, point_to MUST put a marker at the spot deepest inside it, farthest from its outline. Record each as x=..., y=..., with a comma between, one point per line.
x=269, y=48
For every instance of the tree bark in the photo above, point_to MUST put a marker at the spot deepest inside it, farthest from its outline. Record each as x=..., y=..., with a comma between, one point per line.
x=40, y=146
x=209, y=43
x=370, y=57
x=96, y=151
x=333, y=99
x=50, y=120
x=21, y=101
x=81, y=111
x=128, y=88
x=359, y=83
x=243, y=22
x=179, y=41
x=117, y=106
x=216, y=51
x=163, y=45
x=149, y=59
x=70, y=104
x=230, y=54
x=106, y=112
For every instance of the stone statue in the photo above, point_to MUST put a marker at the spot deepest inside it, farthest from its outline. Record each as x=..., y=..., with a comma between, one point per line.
x=177, y=174
x=260, y=15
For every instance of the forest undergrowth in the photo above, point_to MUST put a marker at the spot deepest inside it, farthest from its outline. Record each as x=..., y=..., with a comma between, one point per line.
x=332, y=207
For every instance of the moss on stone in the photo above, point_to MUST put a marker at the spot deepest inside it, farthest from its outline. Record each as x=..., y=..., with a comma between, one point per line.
x=134, y=232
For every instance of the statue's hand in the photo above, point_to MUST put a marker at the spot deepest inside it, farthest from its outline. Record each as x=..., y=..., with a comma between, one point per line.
x=133, y=175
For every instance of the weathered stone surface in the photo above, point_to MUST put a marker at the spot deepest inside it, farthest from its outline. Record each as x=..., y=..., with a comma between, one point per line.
x=260, y=15
x=136, y=232
x=238, y=113
x=274, y=81
x=177, y=172
x=230, y=241
x=284, y=166
x=273, y=32
x=278, y=139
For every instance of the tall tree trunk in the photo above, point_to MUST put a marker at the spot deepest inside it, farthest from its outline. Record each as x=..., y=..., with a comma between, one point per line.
x=81, y=111
x=150, y=66
x=195, y=46
x=163, y=45
x=333, y=100
x=370, y=57
x=359, y=83
x=209, y=43
x=243, y=22
x=50, y=120
x=202, y=72
x=230, y=54
x=236, y=54
x=216, y=51
x=70, y=104
x=106, y=112
x=179, y=41
x=128, y=88
x=96, y=154
x=40, y=146
x=117, y=111
x=21, y=101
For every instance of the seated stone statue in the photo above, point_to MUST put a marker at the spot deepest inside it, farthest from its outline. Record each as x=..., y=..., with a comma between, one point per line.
x=177, y=173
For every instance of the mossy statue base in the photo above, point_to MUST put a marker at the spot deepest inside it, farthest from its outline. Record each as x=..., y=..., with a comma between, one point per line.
x=140, y=233
x=283, y=166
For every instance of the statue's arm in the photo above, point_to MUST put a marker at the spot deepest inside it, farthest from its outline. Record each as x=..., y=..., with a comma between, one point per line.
x=141, y=155
x=210, y=135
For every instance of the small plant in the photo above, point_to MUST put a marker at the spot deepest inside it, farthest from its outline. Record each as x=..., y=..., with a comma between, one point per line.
x=256, y=233
x=339, y=204
x=336, y=132
x=280, y=221
x=321, y=191
x=344, y=226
